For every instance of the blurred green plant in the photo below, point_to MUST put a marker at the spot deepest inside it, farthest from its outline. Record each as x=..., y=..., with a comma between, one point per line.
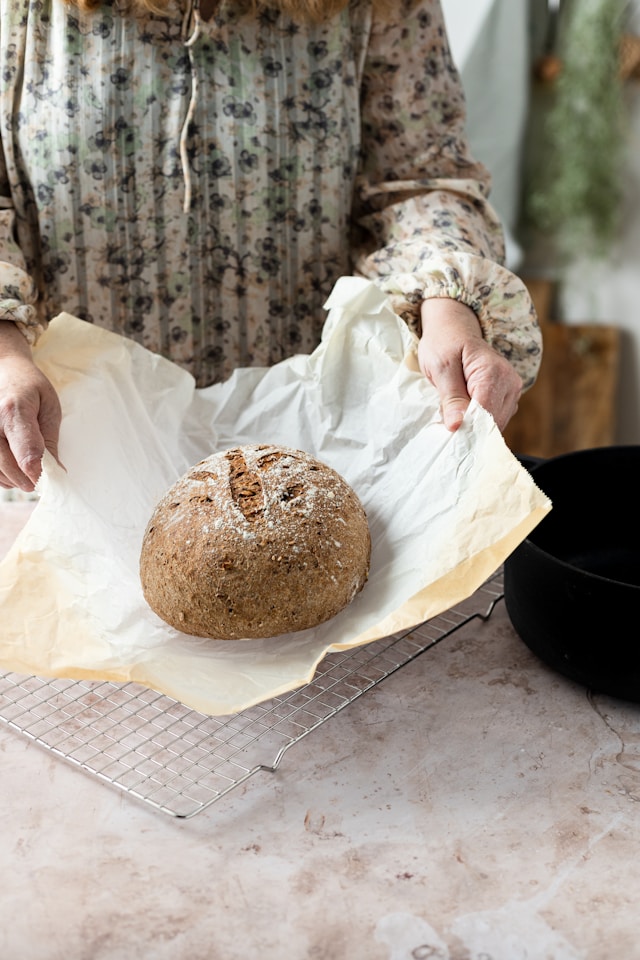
x=575, y=188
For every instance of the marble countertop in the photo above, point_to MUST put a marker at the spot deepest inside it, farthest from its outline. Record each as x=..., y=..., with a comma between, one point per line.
x=473, y=806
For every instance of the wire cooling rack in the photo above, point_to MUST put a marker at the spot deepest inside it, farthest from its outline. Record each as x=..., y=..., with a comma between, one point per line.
x=180, y=761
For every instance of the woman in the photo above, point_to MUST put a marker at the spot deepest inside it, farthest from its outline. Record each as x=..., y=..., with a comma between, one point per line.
x=197, y=175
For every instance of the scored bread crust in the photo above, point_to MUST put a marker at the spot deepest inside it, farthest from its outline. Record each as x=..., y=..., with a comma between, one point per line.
x=255, y=542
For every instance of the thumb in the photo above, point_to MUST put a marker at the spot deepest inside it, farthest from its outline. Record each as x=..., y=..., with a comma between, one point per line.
x=49, y=421
x=26, y=445
x=454, y=398
x=453, y=411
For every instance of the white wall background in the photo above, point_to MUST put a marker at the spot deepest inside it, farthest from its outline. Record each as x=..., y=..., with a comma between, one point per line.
x=490, y=43
x=610, y=292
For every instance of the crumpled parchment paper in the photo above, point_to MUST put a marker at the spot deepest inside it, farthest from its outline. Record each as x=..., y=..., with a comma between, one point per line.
x=444, y=509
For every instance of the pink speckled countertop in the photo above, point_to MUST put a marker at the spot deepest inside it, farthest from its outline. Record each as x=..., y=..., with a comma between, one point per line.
x=474, y=806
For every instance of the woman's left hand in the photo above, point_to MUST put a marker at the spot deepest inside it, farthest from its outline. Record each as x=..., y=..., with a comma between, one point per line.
x=462, y=366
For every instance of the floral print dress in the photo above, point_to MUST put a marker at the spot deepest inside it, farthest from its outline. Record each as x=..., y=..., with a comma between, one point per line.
x=200, y=185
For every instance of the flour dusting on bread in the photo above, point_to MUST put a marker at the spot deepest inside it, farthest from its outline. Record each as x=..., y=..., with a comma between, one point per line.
x=255, y=541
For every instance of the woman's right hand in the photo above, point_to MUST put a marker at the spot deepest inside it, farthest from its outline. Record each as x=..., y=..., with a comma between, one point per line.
x=30, y=412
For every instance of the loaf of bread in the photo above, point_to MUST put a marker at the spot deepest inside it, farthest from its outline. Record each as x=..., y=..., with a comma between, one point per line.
x=255, y=542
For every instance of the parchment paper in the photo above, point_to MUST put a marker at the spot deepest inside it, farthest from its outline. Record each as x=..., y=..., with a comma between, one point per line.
x=444, y=509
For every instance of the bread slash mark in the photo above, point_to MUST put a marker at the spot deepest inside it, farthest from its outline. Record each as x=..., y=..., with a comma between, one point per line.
x=246, y=487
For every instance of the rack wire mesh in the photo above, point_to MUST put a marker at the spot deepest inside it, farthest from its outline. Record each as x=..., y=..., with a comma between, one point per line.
x=180, y=761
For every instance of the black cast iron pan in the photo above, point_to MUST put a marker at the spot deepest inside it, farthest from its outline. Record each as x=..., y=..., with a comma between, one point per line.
x=572, y=588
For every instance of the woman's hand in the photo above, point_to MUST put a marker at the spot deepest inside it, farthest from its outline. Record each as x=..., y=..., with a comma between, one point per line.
x=29, y=412
x=460, y=364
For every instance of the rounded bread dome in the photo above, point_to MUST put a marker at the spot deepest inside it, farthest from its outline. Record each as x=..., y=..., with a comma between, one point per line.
x=255, y=542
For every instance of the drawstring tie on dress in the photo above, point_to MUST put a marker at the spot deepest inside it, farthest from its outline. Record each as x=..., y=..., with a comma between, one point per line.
x=191, y=30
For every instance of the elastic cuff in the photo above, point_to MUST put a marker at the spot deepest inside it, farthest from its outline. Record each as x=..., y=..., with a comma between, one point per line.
x=497, y=296
x=25, y=317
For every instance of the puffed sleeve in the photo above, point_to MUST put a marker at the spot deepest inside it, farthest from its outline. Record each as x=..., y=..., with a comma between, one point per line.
x=425, y=227
x=18, y=292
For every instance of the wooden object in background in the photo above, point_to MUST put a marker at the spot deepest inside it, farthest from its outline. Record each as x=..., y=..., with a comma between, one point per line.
x=543, y=294
x=630, y=57
x=572, y=404
x=547, y=68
